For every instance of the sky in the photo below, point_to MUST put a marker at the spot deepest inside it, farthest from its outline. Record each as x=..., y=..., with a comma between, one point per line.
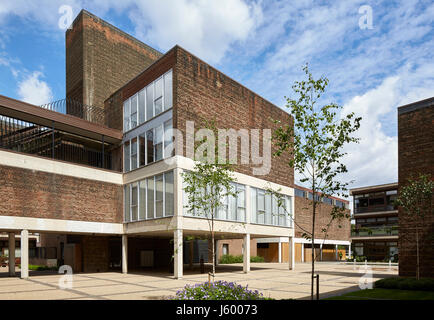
x=377, y=55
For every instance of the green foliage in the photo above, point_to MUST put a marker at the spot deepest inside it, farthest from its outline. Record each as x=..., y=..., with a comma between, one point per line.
x=42, y=268
x=228, y=259
x=423, y=284
x=219, y=290
x=415, y=197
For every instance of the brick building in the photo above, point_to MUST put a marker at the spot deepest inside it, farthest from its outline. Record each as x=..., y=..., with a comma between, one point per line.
x=416, y=156
x=99, y=175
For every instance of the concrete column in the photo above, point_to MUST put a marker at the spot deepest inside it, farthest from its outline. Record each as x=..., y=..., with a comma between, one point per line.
x=280, y=251
x=291, y=253
x=349, y=251
x=177, y=253
x=320, y=251
x=24, y=254
x=11, y=254
x=302, y=252
x=246, y=253
x=124, y=253
x=336, y=252
x=216, y=252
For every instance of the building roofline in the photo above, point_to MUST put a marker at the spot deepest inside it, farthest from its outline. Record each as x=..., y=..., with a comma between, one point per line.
x=310, y=190
x=108, y=24
x=374, y=187
x=416, y=105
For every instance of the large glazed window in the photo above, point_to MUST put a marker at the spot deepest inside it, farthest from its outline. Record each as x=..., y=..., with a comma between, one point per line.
x=149, y=102
x=266, y=209
x=150, y=198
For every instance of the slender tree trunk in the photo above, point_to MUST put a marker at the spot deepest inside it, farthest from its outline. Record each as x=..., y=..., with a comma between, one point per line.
x=417, y=253
x=213, y=249
x=313, y=248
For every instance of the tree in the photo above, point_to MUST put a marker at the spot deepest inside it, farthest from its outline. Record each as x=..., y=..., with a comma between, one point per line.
x=415, y=198
x=207, y=185
x=315, y=141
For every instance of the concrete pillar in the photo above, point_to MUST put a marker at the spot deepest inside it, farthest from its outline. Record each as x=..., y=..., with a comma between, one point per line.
x=24, y=254
x=302, y=252
x=320, y=251
x=291, y=253
x=336, y=253
x=124, y=253
x=246, y=253
x=280, y=251
x=11, y=254
x=177, y=253
x=349, y=251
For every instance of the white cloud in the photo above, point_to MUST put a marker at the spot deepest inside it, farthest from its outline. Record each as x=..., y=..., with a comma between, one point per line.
x=206, y=28
x=34, y=90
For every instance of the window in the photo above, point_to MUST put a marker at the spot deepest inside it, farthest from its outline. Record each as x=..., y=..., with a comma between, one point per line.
x=133, y=118
x=327, y=201
x=134, y=154
x=168, y=143
x=127, y=156
x=142, y=200
x=158, y=96
x=127, y=115
x=241, y=203
x=150, y=192
x=262, y=245
x=142, y=106
x=127, y=203
x=158, y=143
x=150, y=145
x=168, y=191
x=168, y=90
x=261, y=206
x=299, y=193
x=159, y=196
x=149, y=102
x=225, y=249
x=142, y=149
x=267, y=210
x=134, y=202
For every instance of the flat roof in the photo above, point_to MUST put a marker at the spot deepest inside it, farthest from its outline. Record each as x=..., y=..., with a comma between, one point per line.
x=30, y=113
x=378, y=187
x=416, y=105
x=310, y=190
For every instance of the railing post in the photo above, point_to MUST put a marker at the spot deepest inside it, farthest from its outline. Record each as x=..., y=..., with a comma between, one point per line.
x=317, y=287
x=52, y=139
x=103, y=151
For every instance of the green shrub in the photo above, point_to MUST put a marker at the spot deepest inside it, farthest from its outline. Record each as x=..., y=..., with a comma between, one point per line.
x=41, y=268
x=219, y=290
x=227, y=259
x=423, y=284
x=257, y=259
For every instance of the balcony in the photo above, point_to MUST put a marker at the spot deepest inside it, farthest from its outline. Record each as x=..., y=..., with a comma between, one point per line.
x=375, y=232
x=374, y=209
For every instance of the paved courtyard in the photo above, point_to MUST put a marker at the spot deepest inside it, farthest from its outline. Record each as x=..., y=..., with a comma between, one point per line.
x=272, y=279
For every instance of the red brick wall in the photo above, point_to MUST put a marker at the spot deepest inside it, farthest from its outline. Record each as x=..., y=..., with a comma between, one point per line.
x=202, y=92
x=236, y=247
x=303, y=219
x=95, y=253
x=416, y=155
x=100, y=59
x=30, y=193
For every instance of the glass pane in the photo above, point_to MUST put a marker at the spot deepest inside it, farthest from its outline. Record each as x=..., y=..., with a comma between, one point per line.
x=134, y=202
x=149, y=101
x=134, y=111
x=168, y=144
x=158, y=88
x=159, y=196
x=127, y=156
x=168, y=179
x=142, y=150
x=150, y=204
x=158, y=141
x=127, y=203
x=134, y=154
x=158, y=105
x=150, y=145
x=253, y=200
x=142, y=106
x=268, y=208
x=168, y=90
x=127, y=115
x=232, y=208
x=275, y=210
x=142, y=200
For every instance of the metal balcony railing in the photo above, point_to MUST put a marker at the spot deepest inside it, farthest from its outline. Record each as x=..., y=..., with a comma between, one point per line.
x=375, y=209
x=375, y=231
x=77, y=109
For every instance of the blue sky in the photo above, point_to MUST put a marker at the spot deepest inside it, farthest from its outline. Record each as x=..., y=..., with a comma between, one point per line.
x=263, y=45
